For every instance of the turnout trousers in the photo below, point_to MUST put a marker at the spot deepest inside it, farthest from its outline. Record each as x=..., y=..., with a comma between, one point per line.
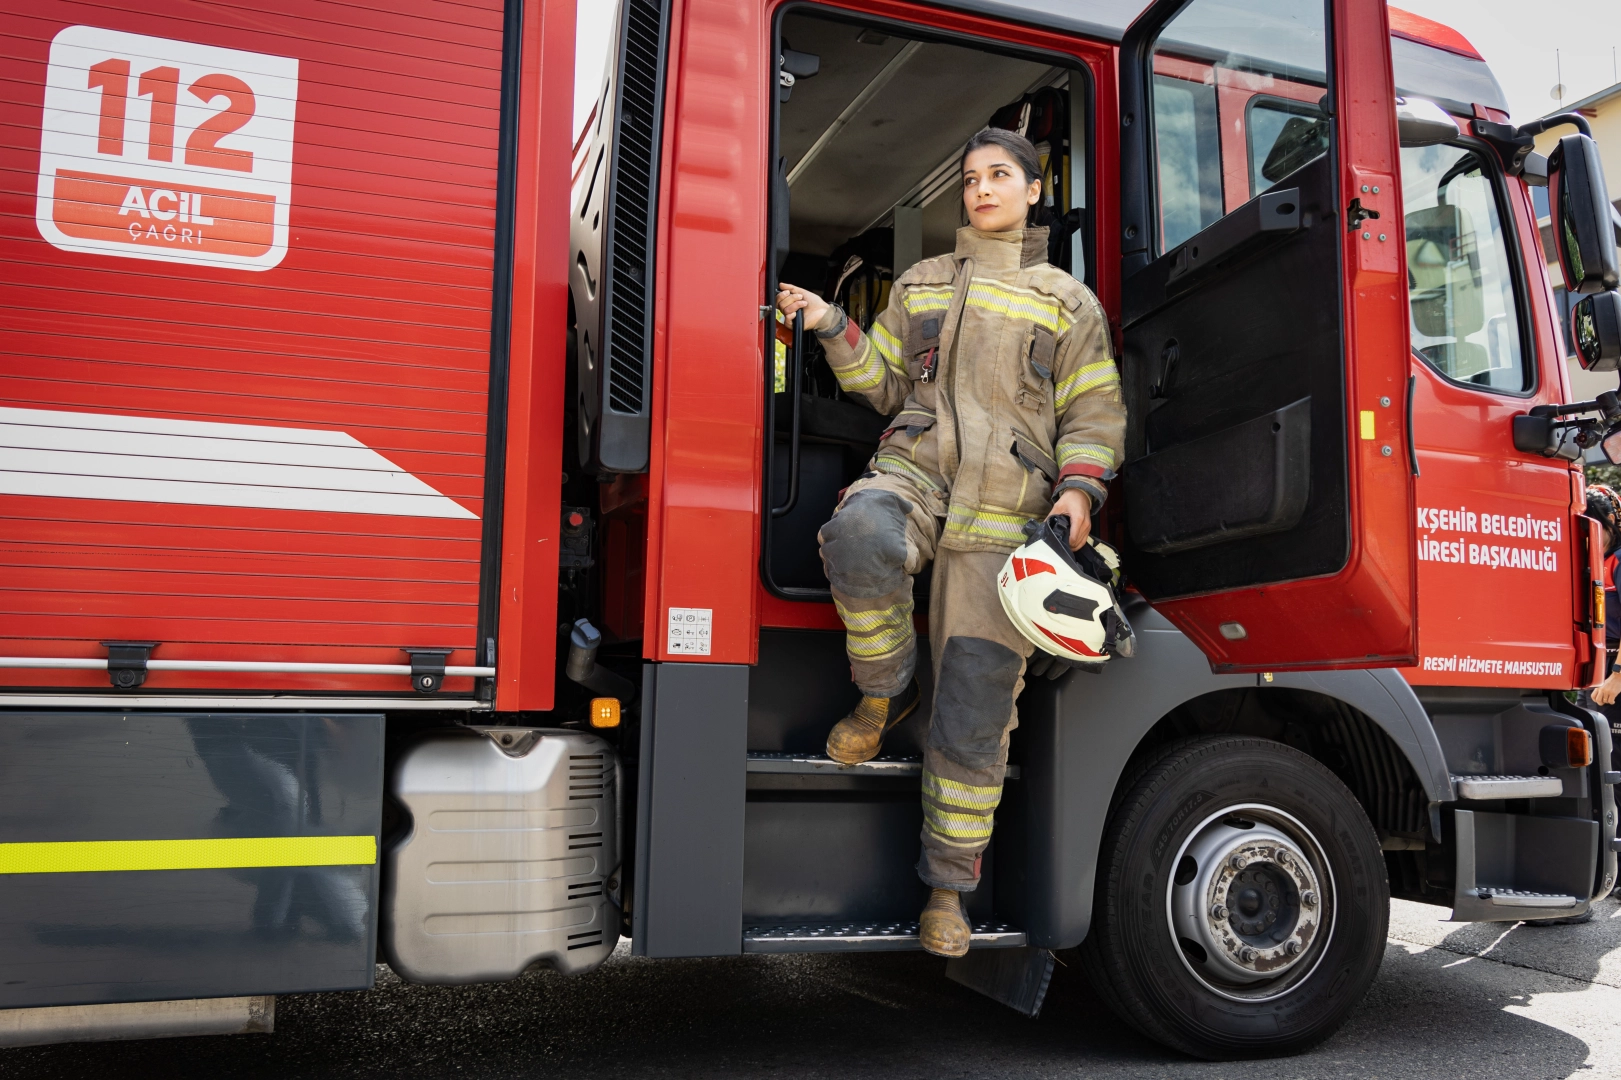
x=881, y=536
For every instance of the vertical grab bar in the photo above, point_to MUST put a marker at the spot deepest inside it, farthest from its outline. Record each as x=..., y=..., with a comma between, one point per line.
x=794, y=386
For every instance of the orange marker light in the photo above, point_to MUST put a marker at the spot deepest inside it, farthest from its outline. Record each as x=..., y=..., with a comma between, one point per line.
x=1578, y=747
x=605, y=712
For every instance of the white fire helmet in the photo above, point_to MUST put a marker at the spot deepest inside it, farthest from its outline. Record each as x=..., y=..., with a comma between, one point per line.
x=1064, y=602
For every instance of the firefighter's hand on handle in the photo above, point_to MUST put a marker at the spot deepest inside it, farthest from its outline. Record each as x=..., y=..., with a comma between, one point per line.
x=1078, y=506
x=1608, y=690
x=791, y=298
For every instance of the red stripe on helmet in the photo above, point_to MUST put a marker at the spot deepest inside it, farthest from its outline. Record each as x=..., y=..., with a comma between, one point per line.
x=1023, y=568
x=1069, y=643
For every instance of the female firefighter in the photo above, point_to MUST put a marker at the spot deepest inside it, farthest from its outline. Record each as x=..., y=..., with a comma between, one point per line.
x=997, y=370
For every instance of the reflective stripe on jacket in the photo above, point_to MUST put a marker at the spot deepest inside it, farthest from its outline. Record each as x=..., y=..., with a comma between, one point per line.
x=997, y=369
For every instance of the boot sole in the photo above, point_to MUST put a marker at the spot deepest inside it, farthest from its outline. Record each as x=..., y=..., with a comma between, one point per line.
x=944, y=954
x=890, y=726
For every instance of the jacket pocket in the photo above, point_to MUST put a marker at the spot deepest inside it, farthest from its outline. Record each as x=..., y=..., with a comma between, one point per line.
x=922, y=344
x=1036, y=368
x=1034, y=458
x=914, y=419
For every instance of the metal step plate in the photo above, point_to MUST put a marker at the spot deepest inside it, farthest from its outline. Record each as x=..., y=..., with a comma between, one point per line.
x=1508, y=787
x=864, y=937
x=1514, y=898
x=805, y=764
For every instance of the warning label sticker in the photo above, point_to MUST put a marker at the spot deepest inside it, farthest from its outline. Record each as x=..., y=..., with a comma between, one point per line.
x=689, y=630
x=159, y=149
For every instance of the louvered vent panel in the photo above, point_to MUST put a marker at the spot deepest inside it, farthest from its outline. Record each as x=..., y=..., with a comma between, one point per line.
x=632, y=211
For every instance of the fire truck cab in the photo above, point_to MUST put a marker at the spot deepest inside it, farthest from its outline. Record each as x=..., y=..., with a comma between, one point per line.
x=412, y=564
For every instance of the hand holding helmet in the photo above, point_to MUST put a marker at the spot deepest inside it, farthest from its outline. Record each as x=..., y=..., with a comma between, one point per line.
x=1064, y=602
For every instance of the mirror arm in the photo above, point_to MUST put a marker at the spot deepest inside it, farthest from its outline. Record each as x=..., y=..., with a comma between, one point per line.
x=1546, y=123
x=1540, y=432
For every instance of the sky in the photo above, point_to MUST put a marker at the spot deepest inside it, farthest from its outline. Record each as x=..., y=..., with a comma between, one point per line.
x=1520, y=39
x=1531, y=46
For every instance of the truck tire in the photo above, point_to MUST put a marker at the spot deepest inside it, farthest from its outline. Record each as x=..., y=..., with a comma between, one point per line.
x=1241, y=903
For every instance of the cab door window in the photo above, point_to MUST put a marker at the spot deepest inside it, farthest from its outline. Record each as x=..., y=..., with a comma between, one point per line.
x=1238, y=104
x=1461, y=292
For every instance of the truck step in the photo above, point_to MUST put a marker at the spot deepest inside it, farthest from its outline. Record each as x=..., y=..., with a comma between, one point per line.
x=1508, y=787
x=1515, y=898
x=817, y=764
x=864, y=937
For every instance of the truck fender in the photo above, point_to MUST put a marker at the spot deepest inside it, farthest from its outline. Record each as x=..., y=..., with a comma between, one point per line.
x=1079, y=733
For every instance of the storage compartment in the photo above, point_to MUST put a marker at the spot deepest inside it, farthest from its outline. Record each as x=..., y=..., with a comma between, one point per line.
x=247, y=389
x=509, y=855
x=154, y=857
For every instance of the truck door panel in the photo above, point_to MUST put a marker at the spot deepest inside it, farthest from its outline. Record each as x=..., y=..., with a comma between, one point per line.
x=1267, y=490
x=1499, y=556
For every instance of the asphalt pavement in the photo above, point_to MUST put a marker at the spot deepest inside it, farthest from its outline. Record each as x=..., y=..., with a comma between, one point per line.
x=1472, y=1001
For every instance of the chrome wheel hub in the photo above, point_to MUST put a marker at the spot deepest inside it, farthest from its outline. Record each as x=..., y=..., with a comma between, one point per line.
x=1250, y=901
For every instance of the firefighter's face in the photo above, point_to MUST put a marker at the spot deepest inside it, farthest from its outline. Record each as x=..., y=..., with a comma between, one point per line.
x=994, y=190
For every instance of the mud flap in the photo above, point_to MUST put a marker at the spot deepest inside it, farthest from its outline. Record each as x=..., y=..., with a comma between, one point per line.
x=1018, y=978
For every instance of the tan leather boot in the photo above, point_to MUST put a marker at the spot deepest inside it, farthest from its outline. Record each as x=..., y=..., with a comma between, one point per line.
x=859, y=736
x=943, y=930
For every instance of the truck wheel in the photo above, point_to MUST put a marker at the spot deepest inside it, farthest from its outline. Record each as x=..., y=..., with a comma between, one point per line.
x=1241, y=903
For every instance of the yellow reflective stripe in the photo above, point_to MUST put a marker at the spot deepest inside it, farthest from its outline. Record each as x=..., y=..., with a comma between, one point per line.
x=863, y=376
x=870, y=634
x=922, y=298
x=986, y=523
x=891, y=461
x=965, y=796
x=870, y=647
x=966, y=829
x=1087, y=378
x=889, y=347
x=860, y=621
x=1103, y=455
x=1019, y=303
x=81, y=856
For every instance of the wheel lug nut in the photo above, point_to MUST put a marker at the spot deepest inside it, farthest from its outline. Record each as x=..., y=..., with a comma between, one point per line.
x=1218, y=911
x=1248, y=955
x=1293, y=948
x=1308, y=898
x=1283, y=857
x=1237, y=862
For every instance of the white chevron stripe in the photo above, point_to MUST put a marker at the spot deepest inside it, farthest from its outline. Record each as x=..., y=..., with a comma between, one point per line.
x=77, y=455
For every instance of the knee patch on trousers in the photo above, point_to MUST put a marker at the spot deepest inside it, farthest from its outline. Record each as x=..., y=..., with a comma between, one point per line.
x=973, y=700
x=864, y=546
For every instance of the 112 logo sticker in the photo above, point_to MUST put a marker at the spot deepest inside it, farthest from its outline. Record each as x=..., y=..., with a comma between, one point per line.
x=159, y=149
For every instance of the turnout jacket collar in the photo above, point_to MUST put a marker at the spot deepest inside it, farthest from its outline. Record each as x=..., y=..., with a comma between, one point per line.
x=1002, y=253
x=997, y=369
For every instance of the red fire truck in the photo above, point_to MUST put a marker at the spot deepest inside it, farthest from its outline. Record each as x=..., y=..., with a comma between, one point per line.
x=406, y=560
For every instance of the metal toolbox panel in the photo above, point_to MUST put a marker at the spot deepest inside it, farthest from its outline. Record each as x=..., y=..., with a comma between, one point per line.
x=154, y=856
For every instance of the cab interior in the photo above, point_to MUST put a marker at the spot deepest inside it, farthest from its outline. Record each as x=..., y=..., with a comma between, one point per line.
x=868, y=154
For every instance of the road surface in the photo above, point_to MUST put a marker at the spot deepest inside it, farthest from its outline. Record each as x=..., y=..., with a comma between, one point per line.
x=1488, y=1000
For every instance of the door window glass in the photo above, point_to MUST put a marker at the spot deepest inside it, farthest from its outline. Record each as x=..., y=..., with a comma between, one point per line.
x=1459, y=276
x=1210, y=63
x=1189, y=155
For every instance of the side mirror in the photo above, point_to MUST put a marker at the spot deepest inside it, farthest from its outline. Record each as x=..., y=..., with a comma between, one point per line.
x=1595, y=330
x=1583, y=234
x=1420, y=122
x=1611, y=448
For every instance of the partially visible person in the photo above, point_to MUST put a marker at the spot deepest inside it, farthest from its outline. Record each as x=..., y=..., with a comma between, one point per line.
x=1604, y=506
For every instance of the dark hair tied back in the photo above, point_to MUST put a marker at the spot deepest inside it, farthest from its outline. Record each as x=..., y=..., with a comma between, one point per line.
x=1018, y=147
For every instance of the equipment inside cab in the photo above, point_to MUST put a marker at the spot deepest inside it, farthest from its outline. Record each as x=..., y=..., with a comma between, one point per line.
x=868, y=154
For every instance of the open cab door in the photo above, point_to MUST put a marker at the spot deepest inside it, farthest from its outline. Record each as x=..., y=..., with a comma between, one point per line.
x=1268, y=476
